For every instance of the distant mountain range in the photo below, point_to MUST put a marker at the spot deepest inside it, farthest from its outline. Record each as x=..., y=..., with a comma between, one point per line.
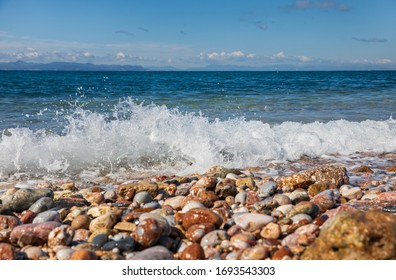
x=66, y=66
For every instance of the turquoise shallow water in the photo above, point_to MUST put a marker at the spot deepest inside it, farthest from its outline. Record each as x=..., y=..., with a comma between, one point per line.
x=72, y=121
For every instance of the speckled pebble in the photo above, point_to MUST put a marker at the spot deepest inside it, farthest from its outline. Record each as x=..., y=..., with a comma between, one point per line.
x=214, y=238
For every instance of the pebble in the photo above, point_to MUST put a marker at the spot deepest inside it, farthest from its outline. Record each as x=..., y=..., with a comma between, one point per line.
x=142, y=197
x=252, y=221
x=42, y=204
x=176, y=202
x=81, y=235
x=47, y=216
x=214, y=238
x=197, y=231
x=245, y=183
x=191, y=205
x=299, y=195
x=282, y=199
x=271, y=230
x=34, y=253
x=19, y=200
x=325, y=200
x=147, y=233
x=285, y=209
x=257, y=252
x=282, y=253
x=350, y=192
x=62, y=235
x=83, y=254
x=299, y=217
x=125, y=226
x=387, y=196
x=153, y=253
x=267, y=189
x=27, y=217
x=8, y=222
x=240, y=198
x=6, y=251
x=64, y=254
x=193, y=252
x=199, y=216
x=32, y=234
x=126, y=244
x=161, y=221
x=106, y=221
x=81, y=222
x=305, y=207
x=99, y=240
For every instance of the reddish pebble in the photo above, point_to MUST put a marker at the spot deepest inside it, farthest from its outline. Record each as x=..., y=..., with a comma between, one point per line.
x=6, y=251
x=281, y=253
x=83, y=254
x=387, y=196
x=8, y=222
x=200, y=216
x=193, y=252
x=28, y=216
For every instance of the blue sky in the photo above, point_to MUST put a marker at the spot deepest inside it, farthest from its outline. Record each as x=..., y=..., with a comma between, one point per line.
x=317, y=33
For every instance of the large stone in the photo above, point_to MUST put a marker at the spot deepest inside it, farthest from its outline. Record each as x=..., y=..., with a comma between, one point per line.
x=153, y=253
x=333, y=175
x=6, y=251
x=8, y=222
x=106, y=221
x=200, y=216
x=32, y=234
x=19, y=200
x=355, y=235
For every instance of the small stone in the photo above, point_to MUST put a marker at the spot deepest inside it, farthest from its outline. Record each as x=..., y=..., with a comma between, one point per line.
x=64, y=254
x=387, y=196
x=99, y=240
x=42, y=204
x=142, y=197
x=267, y=189
x=19, y=200
x=305, y=207
x=243, y=240
x=316, y=188
x=214, y=238
x=34, y=253
x=147, y=233
x=271, y=230
x=154, y=253
x=83, y=254
x=81, y=222
x=200, y=216
x=8, y=222
x=350, y=192
x=95, y=198
x=240, y=198
x=161, y=220
x=282, y=253
x=6, y=251
x=106, y=221
x=193, y=252
x=81, y=235
x=299, y=217
x=299, y=195
x=125, y=226
x=176, y=202
x=27, y=217
x=245, y=183
x=325, y=200
x=126, y=244
x=257, y=252
x=110, y=195
x=251, y=198
x=252, y=221
x=285, y=209
x=62, y=235
x=282, y=199
x=47, y=216
x=197, y=231
x=362, y=169
x=191, y=205
x=391, y=168
x=32, y=234
x=225, y=190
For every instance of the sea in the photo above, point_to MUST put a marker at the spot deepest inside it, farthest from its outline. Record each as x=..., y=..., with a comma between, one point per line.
x=99, y=123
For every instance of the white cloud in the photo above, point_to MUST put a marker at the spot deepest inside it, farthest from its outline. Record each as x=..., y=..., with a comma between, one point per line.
x=120, y=56
x=304, y=58
x=279, y=55
x=223, y=56
x=384, y=61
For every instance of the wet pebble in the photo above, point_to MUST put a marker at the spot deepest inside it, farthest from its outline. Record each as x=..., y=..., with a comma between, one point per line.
x=19, y=200
x=41, y=205
x=200, y=216
x=27, y=217
x=47, y=216
x=191, y=205
x=83, y=254
x=267, y=189
x=298, y=195
x=197, y=231
x=193, y=252
x=176, y=202
x=305, y=207
x=81, y=222
x=299, y=217
x=62, y=235
x=35, y=253
x=147, y=233
x=252, y=221
x=214, y=238
x=6, y=251
x=350, y=192
x=257, y=252
x=282, y=199
x=8, y=222
x=142, y=197
x=154, y=253
x=105, y=221
x=99, y=240
x=32, y=234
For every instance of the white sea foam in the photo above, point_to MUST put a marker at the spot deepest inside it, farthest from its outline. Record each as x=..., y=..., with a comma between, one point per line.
x=155, y=138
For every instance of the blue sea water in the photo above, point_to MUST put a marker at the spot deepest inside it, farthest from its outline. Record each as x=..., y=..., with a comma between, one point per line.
x=60, y=122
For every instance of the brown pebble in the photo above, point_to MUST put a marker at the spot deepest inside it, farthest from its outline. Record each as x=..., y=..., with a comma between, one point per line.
x=81, y=235
x=95, y=198
x=193, y=252
x=363, y=169
x=391, y=168
x=197, y=231
x=81, y=222
x=282, y=253
x=6, y=251
x=83, y=254
x=271, y=230
x=27, y=216
x=200, y=216
x=147, y=233
x=8, y=222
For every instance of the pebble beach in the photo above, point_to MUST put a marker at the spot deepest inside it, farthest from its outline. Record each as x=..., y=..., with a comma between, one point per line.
x=311, y=210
